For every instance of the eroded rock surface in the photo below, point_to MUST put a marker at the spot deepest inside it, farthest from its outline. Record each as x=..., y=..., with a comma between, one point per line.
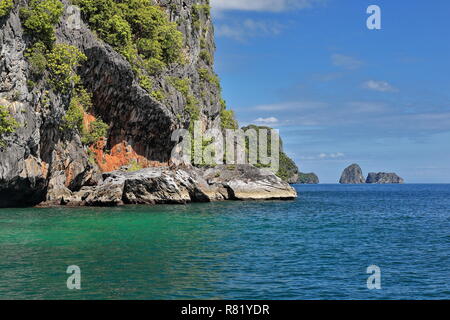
x=352, y=175
x=181, y=186
x=384, y=178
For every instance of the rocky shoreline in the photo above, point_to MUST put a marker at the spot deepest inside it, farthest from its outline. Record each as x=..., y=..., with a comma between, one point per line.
x=180, y=185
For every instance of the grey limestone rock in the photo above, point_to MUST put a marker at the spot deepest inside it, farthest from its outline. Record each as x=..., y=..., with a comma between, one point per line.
x=352, y=175
x=384, y=178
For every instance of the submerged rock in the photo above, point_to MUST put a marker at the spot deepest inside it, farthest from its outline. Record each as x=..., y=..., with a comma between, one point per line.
x=384, y=178
x=352, y=175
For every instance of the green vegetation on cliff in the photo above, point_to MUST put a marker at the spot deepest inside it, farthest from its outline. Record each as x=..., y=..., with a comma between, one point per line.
x=59, y=64
x=8, y=124
x=227, y=117
x=96, y=131
x=197, y=11
x=5, y=7
x=40, y=17
x=56, y=65
x=141, y=31
x=138, y=29
x=58, y=61
x=62, y=62
x=73, y=120
x=288, y=169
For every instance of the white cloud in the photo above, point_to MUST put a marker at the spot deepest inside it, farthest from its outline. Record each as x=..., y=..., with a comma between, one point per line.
x=324, y=156
x=381, y=86
x=262, y=5
x=347, y=62
x=270, y=120
x=332, y=155
x=240, y=30
x=298, y=105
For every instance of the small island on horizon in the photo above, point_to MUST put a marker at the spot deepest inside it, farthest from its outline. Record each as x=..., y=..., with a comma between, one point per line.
x=354, y=175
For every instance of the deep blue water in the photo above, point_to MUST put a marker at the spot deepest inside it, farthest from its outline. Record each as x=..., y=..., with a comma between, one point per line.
x=317, y=247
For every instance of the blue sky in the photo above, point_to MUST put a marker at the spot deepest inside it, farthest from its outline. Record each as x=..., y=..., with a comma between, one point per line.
x=338, y=92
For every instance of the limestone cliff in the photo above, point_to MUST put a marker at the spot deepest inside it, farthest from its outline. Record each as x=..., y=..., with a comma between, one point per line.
x=137, y=106
x=352, y=175
x=384, y=178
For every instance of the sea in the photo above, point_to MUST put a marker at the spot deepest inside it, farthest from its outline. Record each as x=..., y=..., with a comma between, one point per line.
x=334, y=242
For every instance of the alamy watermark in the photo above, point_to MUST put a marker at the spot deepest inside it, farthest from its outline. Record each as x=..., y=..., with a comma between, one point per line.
x=374, y=281
x=374, y=21
x=231, y=147
x=74, y=280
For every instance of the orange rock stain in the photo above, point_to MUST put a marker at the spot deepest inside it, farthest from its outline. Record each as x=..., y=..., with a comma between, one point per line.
x=121, y=154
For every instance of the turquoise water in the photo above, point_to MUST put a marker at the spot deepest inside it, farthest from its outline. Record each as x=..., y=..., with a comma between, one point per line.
x=317, y=247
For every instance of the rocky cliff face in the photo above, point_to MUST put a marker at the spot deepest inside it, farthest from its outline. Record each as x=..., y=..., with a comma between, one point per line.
x=384, y=178
x=41, y=162
x=352, y=175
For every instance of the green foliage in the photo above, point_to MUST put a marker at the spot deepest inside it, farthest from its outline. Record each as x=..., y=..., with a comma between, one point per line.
x=40, y=17
x=204, y=74
x=8, y=124
x=208, y=76
x=192, y=104
x=153, y=66
x=37, y=58
x=117, y=31
x=84, y=98
x=135, y=166
x=182, y=85
x=228, y=120
x=91, y=157
x=203, y=44
x=73, y=120
x=62, y=62
x=197, y=11
x=158, y=95
x=145, y=81
x=97, y=130
x=227, y=117
x=207, y=57
x=5, y=7
x=287, y=167
x=31, y=84
x=138, y=29
x=193, y=108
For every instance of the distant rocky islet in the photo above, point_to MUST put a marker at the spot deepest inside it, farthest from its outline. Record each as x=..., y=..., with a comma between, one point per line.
x=354, y=175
